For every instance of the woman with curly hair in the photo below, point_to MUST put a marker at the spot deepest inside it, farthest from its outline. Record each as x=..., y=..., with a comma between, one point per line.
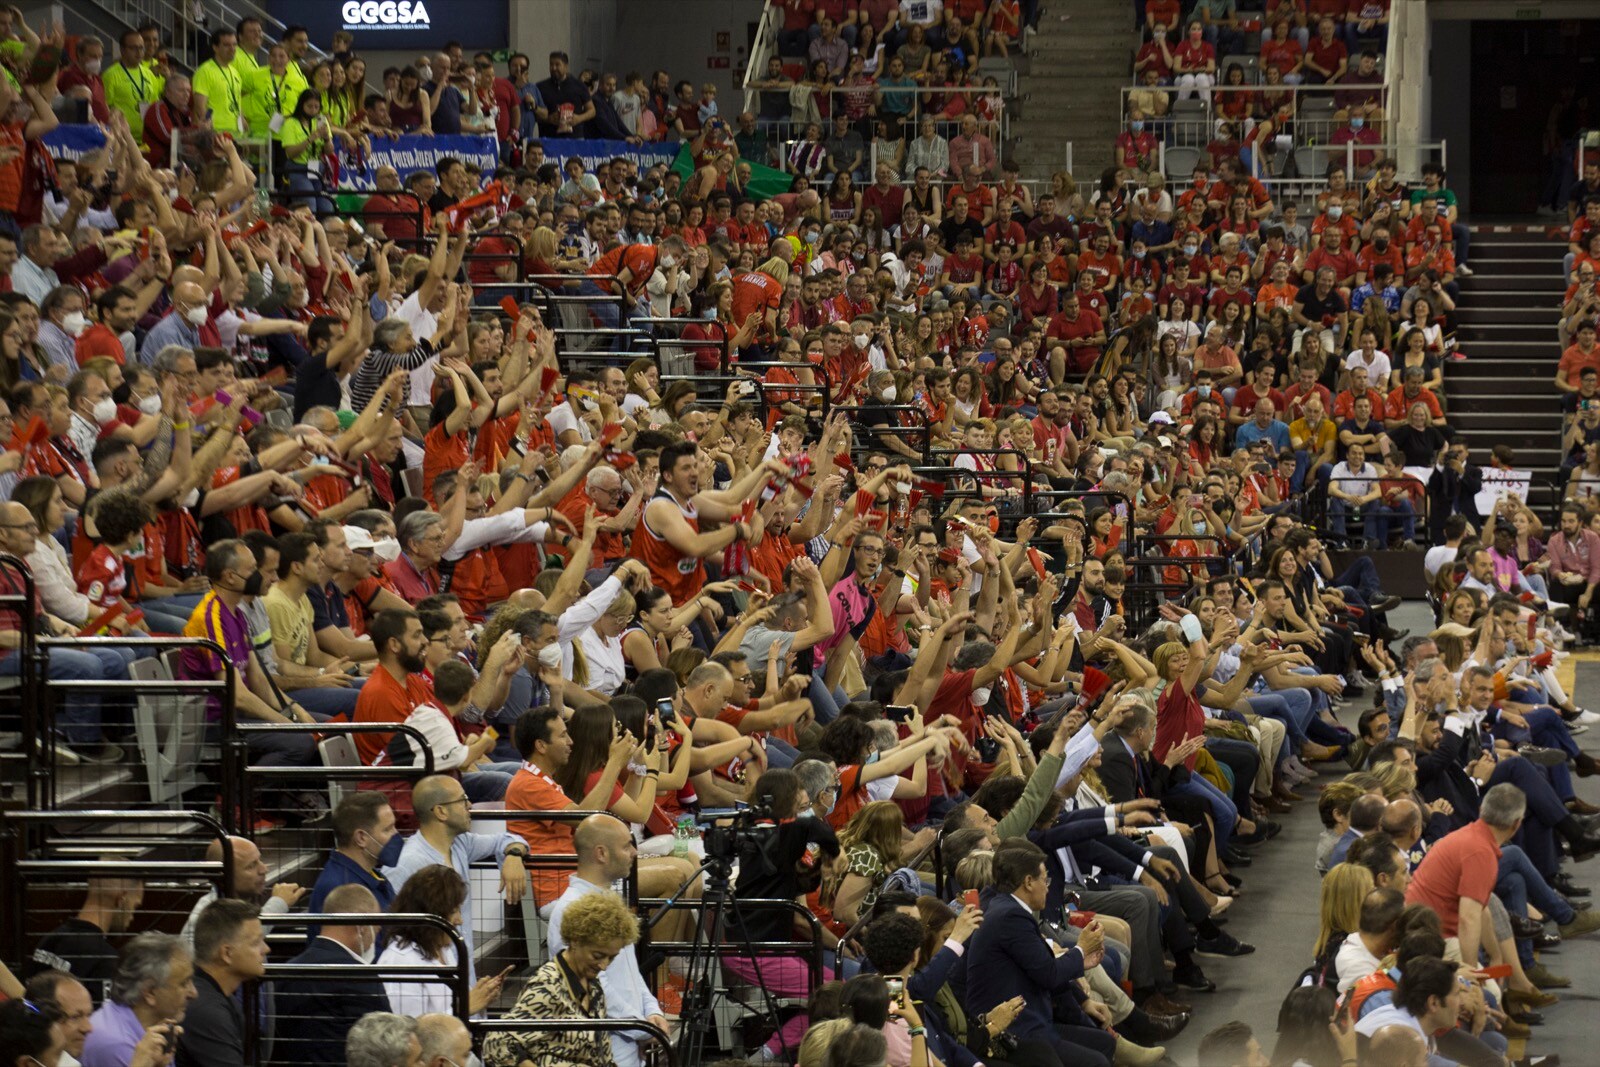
x=596, y=929
x=871, y=843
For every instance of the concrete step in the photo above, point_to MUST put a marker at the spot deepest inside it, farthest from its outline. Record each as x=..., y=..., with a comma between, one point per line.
x=1531, y=333
x=1494, y=266
x=1500, y=281
x=1509, y=388
x=1474, y=312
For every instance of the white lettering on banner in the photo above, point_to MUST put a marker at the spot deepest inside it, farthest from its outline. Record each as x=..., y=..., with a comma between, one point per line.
x=1498, y=484
x=386, y=15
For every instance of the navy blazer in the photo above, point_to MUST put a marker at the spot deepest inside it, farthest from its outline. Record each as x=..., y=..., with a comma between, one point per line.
x=315, y=1016
x=1014, y=960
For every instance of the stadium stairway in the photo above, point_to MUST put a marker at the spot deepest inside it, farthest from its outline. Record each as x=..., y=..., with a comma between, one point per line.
x=1507, y=314
x=1081, y=56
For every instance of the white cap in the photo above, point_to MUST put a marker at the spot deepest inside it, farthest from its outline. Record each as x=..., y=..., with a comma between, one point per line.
x=1159, y=416
x=358, y=539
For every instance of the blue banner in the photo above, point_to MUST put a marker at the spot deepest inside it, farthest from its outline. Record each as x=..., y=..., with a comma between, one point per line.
x=73, y=142
x=400, y=25
x=412, y=152
x=560, y=149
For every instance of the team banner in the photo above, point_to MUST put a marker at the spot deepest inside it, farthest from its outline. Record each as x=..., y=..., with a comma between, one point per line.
x=595, y=152
x=412, y=152
x=73, y=141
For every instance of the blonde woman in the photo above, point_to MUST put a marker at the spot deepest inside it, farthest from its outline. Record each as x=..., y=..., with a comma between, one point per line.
x=871, y=845
x=1339, y=909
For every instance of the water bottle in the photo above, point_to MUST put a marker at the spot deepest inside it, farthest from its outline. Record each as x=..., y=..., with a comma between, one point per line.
x=682, y=835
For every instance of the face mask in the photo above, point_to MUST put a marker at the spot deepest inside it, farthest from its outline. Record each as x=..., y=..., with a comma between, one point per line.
x=1139, y=253
x=1334, y=211
x=1200, y=527
x=668, y=262
x=196, y=316
x=588, y=403
x=813, y=238
x=1136, y=127
x=1203, y=390
x=862, y=341
x=92, y=66
x=550, y=656
x=831, y=804
x=370, y=953
x=872, y=757
x=1190, y=250
x=105, y=410
x=890, y=393
x=1356, y=122
x=980, y=697
x=252, y=585
x=425, y=73
x=75, y=323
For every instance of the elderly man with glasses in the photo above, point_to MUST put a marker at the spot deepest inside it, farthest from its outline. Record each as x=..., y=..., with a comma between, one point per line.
x=78, y=717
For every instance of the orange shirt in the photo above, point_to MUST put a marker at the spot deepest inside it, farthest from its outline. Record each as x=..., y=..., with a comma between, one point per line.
x=638, y=260
x=442, y=452
x=755, y=292
x=681, y=576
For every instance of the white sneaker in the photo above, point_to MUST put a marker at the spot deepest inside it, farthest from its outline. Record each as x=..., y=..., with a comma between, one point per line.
x=1587, y=717
x=64, y=755
x=1463, y=271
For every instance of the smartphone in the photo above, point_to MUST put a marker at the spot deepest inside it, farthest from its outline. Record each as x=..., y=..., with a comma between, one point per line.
x=899, y=712
x=1190, y=625
x=988, y=749
x=897, y=987
x=491, y=733
x=664, y=709
x=970, y=898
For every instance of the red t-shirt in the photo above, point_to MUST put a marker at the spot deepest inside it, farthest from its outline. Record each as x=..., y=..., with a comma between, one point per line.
x=1178, y=715
x=1465, y=863
x=103, y=578
x=384, y=699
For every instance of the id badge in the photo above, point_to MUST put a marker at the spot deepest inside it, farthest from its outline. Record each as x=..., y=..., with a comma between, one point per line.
x=276, y=123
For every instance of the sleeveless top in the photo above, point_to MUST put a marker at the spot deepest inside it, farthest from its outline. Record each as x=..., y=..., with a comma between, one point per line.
x=681, y=576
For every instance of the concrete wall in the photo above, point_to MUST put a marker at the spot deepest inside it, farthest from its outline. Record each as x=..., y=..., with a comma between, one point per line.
x=1450, y=83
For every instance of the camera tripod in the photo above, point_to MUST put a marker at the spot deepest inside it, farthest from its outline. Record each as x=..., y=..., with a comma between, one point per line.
x=711, y=925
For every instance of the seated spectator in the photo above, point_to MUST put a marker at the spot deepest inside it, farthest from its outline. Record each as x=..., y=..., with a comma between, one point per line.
x=381, y=1039
x=440, y=891
x=230, y=949
x=314, y=1017
x=79, y=946
x=149, y=994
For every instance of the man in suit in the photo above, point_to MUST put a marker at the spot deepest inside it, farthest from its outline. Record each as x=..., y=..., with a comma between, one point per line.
x=315, y=1015
x=1128, y=773
x=1015, y=960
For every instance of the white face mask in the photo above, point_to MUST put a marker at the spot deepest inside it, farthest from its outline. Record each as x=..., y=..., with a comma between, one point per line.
x=588, y=403
x=903, y=488
x=550, y=656
x=862, y=341
x=92, y=66
x=196, y=315
x=370, y=953
x=75, y=323
x=890, y=393
x=1335, y=210
x=980, y=697
x=105, y=410
x=150, y=405
x=425, y=73
x=668, y=262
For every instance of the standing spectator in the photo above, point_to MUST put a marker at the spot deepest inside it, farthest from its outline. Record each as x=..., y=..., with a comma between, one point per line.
x=219, y=86
x=566, y=105
x=130, y=86
x=82, y=78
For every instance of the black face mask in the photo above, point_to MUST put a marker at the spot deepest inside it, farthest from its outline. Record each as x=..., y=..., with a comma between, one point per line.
x=252, y=585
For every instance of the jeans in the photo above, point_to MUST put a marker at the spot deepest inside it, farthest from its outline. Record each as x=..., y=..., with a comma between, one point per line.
x=1223, y=811
x=1519, y=885
x=1376, y=522
x=1293, y=716
x=328, y=702
x=487, y=786
x=780, y=754
x=170, y=614
x=305, y=188
x=78, y=718
x=605, y=313
x=1362, y=576
x=826, y=704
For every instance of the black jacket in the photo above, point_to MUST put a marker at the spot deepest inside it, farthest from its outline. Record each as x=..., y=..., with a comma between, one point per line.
x=315, y=1015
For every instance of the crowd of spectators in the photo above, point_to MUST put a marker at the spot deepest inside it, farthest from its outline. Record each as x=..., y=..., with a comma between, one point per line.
x=806, y=575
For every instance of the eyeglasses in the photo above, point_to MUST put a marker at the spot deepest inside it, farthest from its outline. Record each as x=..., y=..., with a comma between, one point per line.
x=33, y=526
x=450, y=803
x=744, y=679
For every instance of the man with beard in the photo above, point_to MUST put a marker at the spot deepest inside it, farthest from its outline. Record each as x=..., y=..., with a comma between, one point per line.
x=79, y=946
x=396, y=685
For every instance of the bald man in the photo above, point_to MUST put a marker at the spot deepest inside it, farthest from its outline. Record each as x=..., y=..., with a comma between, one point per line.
x=249, y=884
x=446, y=1041
x=79, y=946
x=605, y=854
x=186, y=324
x=314, y=1017
x=1397, y=1046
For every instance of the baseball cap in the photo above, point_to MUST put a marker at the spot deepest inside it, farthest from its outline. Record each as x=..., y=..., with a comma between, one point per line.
x=359, y=540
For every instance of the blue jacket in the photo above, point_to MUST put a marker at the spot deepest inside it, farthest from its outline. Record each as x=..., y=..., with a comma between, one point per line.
x=342, y=870
x=314, y=1017
x=1012, y=956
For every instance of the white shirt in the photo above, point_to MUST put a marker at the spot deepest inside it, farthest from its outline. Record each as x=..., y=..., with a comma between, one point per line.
x=439, y=735
x=607, y=668
x=580, y=618
x=563, y=418
x=1354, y=962
x=424, y=324
x=1352, y=482
x=417, y=998
x=627, y=996
x=52, y=577
x=273, y=906
x=1437, y=558
x=1377, y=370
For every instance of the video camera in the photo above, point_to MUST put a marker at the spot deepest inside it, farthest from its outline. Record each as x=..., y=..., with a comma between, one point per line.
x=743, y=832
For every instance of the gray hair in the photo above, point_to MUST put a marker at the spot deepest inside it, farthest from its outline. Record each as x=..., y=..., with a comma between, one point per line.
x=1426, y=670
x=1503, y=806
x=885, y=735
x=380, y=1039
x=598, y=475
x=166, y=361
x=972, y=655
x=1138, y=717
x=145, y=963
x=816, y=775
x=415, y=526
x=385, y=333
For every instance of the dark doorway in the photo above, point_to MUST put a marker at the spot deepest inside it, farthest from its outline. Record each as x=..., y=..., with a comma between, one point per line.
x=1519, y=70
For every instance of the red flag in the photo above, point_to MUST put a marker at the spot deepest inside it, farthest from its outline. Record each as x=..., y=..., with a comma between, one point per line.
x=547, y=381
x=610, y=433
x=933, y=489
x=863, y=502
x=458, y=214
x=104, y=619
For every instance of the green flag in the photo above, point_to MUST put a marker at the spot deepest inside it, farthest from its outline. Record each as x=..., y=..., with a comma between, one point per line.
x=765, y=182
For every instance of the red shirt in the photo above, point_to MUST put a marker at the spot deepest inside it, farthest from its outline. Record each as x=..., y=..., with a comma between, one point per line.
x=1178, y=715
x=1087, y=324
x=103, y=578
x=639, y=260
x=1328, y=55
x=1464, y=863
x=1281, y=54
x=386, y=699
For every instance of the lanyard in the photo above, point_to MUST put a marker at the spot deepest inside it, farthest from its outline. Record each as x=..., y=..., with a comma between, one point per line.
x=129, y=73
x=277, y=91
